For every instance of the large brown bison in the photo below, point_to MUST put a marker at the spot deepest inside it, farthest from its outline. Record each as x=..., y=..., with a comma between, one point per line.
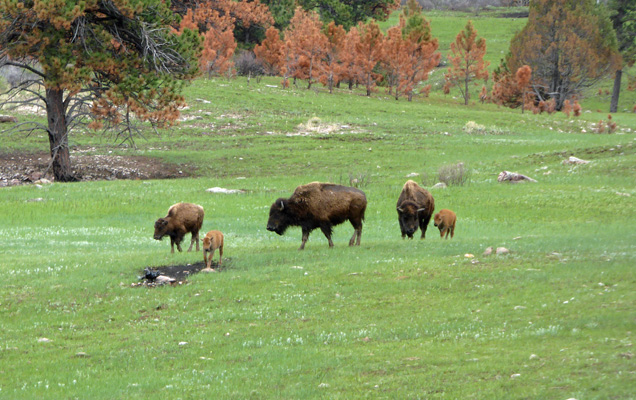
x=319, y=205
x=415, y=207
x=181, y=219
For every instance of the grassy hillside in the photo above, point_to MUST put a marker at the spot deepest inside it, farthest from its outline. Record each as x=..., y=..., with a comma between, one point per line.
x=392, y=318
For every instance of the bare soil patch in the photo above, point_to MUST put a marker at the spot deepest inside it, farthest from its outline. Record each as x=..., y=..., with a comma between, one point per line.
x=19, y=168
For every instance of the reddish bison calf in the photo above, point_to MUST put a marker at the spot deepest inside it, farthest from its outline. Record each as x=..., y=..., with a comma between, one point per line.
x=319, y=205
x=414, y=207
x=445, y=221
x=213, y=240
x=181, y=219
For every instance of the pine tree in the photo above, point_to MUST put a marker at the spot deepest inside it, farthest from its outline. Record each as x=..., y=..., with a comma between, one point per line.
x=116, y=59
x=567, y=45
x=467, y=61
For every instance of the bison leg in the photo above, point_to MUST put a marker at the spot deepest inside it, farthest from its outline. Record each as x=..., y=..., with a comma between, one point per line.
x=357, y=232
x=193, y=238
x=424, y=224
x=220, y=254
x=305, y=237
x=326, y=229
x=452, y=229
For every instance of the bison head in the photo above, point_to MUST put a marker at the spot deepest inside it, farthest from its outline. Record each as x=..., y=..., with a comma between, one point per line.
x=437, y=219
x=279, y=217
x=161, y=228
x=408, y=216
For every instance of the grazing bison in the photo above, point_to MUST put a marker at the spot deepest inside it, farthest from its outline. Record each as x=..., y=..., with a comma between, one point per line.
x=181, y=219
x=319, y=205
x=414, y=207
x=213, y=240
x=444, y=220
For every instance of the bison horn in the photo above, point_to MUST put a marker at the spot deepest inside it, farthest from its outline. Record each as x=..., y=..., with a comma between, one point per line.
x=421, y=209
x=400, y=209
x=282, y=205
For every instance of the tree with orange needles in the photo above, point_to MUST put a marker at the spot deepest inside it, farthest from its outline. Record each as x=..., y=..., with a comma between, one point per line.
x=569, y=46
x=270, y=51
x=467, y=61
x=351, y=65
x=421, y=50
x=94, y=64
x=330, y=71
x=306, y=44
x=369, y=52
x=216, y=20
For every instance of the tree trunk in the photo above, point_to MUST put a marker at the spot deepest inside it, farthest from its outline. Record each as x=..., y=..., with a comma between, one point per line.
x=466, y=96
x=58, y=136
x=616, y=91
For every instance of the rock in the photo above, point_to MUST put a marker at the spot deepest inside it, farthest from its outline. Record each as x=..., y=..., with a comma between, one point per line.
x=223, y=190
x=513, y=177
x=164, y=279
x=520, y=307
x=574, y=160
x=7, y=118
x=468, y=255
x=44, y=340
x=439, y=185
x=488, y=251
x=533, y=356
x=502, y=251
x=412, y=175
x=515, y=376
x=81, y=354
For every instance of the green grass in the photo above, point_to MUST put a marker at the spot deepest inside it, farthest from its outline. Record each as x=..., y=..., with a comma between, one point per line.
x=392, y=318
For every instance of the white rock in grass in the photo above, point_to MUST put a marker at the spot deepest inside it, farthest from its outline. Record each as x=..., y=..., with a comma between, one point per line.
x=182, y=343
x=164, y=279
x=412, y=175
x=323, y=385
x=468, y=255
x=488, y=251
x=223, y=190
x=439, y=185
x=44, y=340
x=515, y=376
x=520, y=307
x=533, y=356
x=502, y=251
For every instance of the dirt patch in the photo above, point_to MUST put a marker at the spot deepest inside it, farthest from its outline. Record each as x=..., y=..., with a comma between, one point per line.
x=174, y=275
x=19, y=168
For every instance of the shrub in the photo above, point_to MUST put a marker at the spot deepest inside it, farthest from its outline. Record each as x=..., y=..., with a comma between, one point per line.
x=247, y=64
x=453, y=174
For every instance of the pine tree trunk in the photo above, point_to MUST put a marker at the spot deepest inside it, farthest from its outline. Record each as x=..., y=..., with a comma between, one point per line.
x=58, y=138
x=616, y=91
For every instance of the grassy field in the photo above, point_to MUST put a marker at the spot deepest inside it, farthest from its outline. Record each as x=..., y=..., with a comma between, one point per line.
x=393, y=318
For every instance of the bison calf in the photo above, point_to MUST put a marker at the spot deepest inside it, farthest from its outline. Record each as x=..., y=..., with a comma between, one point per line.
x=445, y=221
x=213, y=240
x=181, y=219
x=319, y=205
x=414, y=207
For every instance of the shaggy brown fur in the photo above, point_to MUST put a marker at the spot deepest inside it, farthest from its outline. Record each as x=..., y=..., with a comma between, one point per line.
x=213, y=240
x=415, y=207
x=181, y=219
x=445, y=222
x=319, y=205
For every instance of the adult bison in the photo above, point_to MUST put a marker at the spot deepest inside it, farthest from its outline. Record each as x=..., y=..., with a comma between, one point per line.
x=414, y=207
x=181, y=219
x=319, y=205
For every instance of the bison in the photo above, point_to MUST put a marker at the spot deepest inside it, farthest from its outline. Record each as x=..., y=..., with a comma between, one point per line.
x=181, y=219
x=213, y=240
x=444, y=220
x=319, y=205
x=414, y=207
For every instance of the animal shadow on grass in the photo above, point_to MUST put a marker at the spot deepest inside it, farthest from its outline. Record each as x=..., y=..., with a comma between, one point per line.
x=175, y=275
